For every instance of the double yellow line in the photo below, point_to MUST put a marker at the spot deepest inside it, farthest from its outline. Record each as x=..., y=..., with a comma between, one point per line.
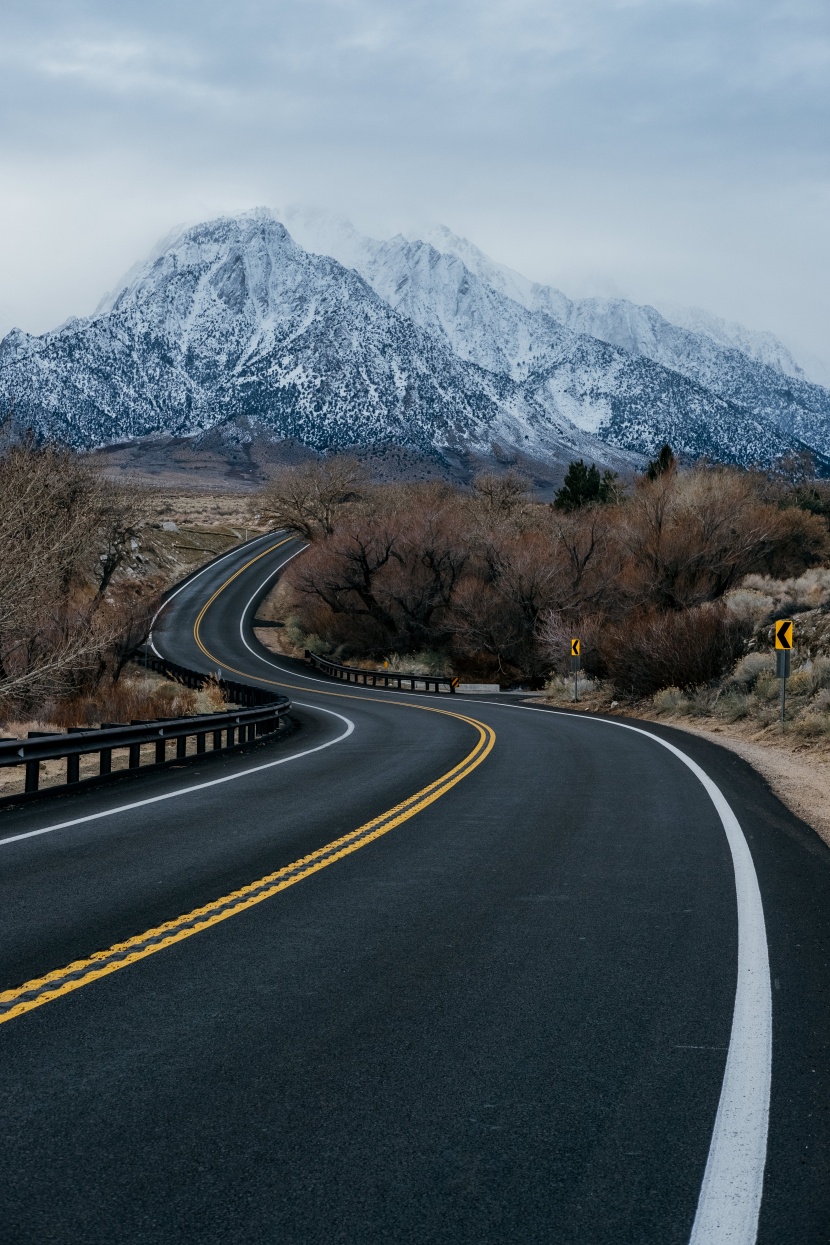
x=61, y=981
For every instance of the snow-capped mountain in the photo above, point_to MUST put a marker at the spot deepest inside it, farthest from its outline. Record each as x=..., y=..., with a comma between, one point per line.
x=425, y=343
x=230, y=321
x=500, y=320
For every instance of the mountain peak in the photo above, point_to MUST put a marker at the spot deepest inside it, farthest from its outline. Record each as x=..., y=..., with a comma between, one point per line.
x=297, y=324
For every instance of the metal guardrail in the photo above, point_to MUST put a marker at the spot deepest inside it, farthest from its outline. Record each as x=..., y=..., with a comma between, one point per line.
x=239, y=693
x=382, y=678
x=225, y=730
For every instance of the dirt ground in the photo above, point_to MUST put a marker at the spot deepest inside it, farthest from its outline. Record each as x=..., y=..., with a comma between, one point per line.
x=53, y=773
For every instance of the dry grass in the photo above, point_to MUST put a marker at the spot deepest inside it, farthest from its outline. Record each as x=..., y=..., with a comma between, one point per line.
x=53, y=773
x=230, y=511
x=139, y=696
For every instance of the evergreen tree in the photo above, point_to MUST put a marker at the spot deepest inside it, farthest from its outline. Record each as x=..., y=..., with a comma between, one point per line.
x=664, y=462
x=584, y=486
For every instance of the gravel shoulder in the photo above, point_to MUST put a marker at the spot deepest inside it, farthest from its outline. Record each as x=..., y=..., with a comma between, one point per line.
x=798, y=773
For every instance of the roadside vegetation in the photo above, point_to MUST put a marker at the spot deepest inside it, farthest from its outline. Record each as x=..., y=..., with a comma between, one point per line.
x=672, y=581
x=84, y=560
x=658, y=577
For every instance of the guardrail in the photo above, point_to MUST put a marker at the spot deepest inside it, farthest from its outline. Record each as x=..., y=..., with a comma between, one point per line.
x=239, y=693
x=382, y=678
x=224, y=730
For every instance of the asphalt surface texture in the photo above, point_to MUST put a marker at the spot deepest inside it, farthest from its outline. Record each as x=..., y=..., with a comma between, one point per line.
x=500, y=1014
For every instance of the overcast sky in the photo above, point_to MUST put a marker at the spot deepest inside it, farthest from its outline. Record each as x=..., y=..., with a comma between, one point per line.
x=666, y=150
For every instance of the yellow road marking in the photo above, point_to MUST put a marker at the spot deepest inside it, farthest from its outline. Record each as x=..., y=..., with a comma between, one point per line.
x=61, y=981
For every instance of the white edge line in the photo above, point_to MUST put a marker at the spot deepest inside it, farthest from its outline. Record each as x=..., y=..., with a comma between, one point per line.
x=729, y=1203
x=730, y=1198
x=200, y=786
x=208, y=566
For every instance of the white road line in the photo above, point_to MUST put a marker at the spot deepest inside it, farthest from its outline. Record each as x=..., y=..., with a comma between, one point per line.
x=208, y=566
x=199, y=786
x=733, y=1182
x=730, y=1197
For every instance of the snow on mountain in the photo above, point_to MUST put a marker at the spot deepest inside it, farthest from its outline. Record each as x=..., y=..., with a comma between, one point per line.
x=762, y=347
x=751, y=369
x=337, y=339
x=494, y=317
x=231, y=321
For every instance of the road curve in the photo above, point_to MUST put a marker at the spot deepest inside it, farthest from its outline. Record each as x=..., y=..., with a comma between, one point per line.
x=425, y=970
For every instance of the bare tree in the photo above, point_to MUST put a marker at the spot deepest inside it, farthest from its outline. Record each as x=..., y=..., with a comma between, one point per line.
x=306, y=500
x=689, y=537
x=498, y=496
x=64, y=532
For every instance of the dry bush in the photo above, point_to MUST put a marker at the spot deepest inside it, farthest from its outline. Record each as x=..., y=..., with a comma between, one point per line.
x=307, y=500
x=689, y=538
x=807, y=591
x=497, y=608
x=137, y=697
x=497, y=584
x=384, y=583
x=555, y=632
x=750, y=669
x=685, y=649
x=494, y=497
x=65, y=532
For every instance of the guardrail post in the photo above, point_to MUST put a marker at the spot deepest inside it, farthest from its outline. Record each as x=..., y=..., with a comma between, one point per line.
x=217, y=740
x=134, y=760
x=161, y=751
x=32, y=775
x=200, y=741
x=105, y=761
x=231, y=737
x=73, y=768
x=181, y=747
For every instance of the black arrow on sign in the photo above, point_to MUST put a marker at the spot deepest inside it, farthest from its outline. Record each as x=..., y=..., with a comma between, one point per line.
x=783, y=634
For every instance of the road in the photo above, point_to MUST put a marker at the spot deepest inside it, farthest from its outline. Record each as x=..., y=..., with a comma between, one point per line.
x=461, y=970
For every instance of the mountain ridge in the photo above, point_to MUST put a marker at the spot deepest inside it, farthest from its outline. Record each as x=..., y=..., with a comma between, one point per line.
x=233, y=322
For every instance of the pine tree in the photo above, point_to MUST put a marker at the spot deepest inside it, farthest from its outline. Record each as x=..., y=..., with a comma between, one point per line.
x=584, y=486
x=664, y=463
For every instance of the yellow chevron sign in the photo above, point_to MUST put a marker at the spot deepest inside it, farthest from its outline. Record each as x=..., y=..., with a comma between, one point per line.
x=574, y=648
x=784, y=633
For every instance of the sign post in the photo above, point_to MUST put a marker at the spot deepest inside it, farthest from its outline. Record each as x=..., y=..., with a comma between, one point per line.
x=783, y=653
x=576, y=663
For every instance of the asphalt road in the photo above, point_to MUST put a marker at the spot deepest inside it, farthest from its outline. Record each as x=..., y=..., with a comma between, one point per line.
x=486, y=991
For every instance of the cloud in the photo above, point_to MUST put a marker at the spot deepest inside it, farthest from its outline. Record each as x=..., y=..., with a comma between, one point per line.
x=678, y=145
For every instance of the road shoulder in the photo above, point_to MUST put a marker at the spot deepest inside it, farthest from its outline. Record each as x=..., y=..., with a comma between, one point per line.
x=801, y=780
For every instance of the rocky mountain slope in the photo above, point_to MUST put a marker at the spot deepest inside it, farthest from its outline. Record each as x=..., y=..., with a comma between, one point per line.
x=428, y=344
x=448, y=285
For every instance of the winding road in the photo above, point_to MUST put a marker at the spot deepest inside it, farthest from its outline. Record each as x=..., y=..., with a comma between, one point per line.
x=426, y=969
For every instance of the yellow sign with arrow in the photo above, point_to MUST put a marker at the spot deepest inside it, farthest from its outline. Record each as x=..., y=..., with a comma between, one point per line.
x=784, y=634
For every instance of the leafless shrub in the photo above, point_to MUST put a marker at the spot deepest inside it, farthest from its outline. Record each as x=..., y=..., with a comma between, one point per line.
x=652, y=650
x=383, y=584
x=496, y=497
x=497, y=584
x=64, y=534
x=308, y=499
x=135, y=697
x=689, y=538
x=555, y=632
